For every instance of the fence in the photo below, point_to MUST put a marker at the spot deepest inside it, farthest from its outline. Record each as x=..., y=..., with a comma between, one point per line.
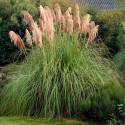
x=103, y=4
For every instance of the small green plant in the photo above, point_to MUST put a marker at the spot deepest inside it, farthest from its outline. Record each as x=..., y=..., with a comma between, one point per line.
x=115, y=122
x=112, y=122
x=121, y=108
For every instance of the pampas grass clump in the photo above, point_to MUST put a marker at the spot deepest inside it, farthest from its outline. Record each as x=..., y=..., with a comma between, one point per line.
x=55, y=79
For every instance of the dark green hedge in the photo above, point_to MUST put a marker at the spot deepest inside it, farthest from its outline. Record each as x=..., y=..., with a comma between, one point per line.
x=10, y=20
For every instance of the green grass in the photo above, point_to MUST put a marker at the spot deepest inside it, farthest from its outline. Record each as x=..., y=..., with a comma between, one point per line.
x=31, y=121
x=54, y=80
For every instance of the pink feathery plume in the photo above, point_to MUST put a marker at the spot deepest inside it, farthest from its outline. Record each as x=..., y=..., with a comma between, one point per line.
x=46, y=23
x=63, y=23
x=43, y=20
x=58, y=12
x=91, y=25
x=28, y=19
x=54, y=15
x=68, y=18
x=77, y=9
x=70, y=25
x=49, y=12
x=42, y=25
x=28, y=37
x=78, y=23
x=16, y=39
x=50, y=34
x=68, y=13
x=42, y=13
x=77, y=20
x=49, y=24
x=85, y=24
x=93, y=33
x=37, y=35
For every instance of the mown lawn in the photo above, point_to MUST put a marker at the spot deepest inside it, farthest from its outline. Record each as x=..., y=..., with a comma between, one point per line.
x=29, y=121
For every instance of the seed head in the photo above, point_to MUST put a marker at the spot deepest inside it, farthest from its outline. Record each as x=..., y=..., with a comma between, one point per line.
x=28, y=19
x=16, y=39
x=28, y=37
x=37, y=35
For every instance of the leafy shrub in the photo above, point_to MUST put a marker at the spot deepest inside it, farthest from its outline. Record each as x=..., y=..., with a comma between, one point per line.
x=10, y=20
x=119, y=60
x=111, y=29
x=103, y=105
x=121, y=108
x=114, y=122
x=54, y=80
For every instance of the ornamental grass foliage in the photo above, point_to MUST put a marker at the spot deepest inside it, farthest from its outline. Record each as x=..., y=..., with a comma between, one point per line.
x=54, y=80
x=59, y=73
